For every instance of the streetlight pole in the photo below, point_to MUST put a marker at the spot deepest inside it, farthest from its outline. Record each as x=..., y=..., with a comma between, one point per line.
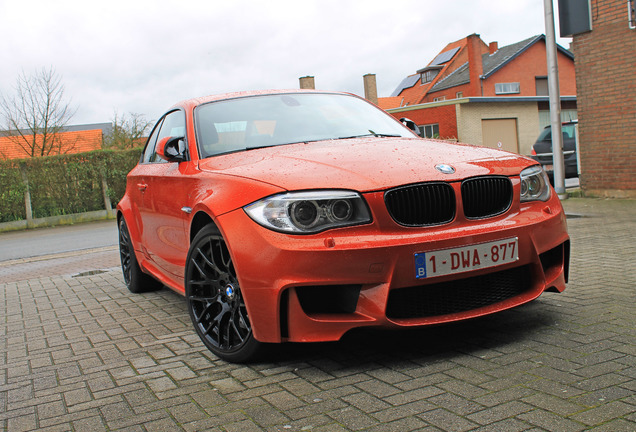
x=555, y=101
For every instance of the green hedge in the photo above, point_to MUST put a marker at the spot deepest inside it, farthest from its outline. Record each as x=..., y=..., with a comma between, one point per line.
x=11, y=192
x=64, y=184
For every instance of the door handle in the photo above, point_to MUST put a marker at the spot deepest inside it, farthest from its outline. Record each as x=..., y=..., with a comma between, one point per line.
x=142, y=186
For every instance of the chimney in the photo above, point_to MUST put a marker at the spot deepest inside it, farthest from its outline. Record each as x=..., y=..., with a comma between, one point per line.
x=475, y=66
x=307, y=82
x=370, y=88
x=493, y=47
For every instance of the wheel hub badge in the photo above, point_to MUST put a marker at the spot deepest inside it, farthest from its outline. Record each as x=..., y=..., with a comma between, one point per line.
x=229, y=291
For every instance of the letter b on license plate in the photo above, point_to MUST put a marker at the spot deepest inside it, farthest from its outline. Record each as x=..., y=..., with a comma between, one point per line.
x=462, y=259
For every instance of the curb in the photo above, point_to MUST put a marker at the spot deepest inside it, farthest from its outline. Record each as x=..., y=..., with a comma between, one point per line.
x=69, y=219
x=56, y=255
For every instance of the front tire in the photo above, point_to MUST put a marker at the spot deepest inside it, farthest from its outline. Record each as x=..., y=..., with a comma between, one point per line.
x=215, y=300
x=136, y=280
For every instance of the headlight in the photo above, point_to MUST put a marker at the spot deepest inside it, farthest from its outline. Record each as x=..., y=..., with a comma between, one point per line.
x=309, y=212
x=535, y=185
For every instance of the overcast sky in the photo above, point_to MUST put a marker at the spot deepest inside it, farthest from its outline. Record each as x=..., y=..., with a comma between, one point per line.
x=139, y=56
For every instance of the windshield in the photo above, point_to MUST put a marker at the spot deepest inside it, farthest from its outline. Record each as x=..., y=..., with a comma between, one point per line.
x=271, y=120
x=567, y=130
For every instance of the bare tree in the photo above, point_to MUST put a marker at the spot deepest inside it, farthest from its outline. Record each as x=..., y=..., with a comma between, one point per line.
x=127, y=131
x=34, y=117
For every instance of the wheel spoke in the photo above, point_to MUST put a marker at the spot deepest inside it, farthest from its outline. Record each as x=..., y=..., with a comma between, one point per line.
x=204, y=312
x=243, y=321
x=199, y=268
x=237, y=332
x=205, y=282
x=204, y=299
x=210, y=260
x=215, y=323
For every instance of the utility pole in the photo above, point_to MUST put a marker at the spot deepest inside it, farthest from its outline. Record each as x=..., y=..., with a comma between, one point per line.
x=555, y=101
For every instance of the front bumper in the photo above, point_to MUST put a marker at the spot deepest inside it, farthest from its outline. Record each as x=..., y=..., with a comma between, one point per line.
x=317, y=287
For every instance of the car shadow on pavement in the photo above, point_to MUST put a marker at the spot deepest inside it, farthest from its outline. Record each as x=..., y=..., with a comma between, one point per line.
x=476, y=337
x=503, y=332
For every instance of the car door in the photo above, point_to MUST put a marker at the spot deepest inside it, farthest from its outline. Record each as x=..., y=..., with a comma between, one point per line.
x=165, y=202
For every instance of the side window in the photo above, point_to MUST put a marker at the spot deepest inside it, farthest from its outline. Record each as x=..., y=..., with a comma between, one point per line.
x=152, y=142
x=172, y=125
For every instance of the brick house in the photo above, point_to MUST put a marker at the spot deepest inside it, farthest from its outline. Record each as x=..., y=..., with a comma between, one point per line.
x=73, y=139
x=485, y=94
x=605, y=65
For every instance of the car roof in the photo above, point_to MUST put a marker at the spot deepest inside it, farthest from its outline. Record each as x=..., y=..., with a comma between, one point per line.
x=575, y=121
x=235, y=95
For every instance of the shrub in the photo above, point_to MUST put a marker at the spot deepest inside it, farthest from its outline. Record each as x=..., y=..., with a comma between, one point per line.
x=64, y=184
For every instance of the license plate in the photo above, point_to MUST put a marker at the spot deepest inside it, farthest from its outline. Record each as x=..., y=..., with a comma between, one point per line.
x=466, y=258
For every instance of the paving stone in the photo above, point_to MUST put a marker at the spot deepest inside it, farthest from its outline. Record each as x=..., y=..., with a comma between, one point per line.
x=604, y=413
x=500, y=412
x=550, y=421
x=447, y=421
x=411, y=409
x=284, y=400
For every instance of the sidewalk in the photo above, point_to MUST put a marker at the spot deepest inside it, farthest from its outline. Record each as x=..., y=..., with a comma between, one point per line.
x=79, y=352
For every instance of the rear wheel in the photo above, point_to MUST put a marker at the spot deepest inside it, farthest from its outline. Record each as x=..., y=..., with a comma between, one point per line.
x=215, y=300
x=136, y=280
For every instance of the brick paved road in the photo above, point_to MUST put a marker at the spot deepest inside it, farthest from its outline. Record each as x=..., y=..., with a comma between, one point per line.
x=82, y=354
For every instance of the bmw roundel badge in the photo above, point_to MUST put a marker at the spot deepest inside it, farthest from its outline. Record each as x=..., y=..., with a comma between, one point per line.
x=444, y=168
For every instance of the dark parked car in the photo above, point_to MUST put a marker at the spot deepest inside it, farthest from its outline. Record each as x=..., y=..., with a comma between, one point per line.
x=542, y=149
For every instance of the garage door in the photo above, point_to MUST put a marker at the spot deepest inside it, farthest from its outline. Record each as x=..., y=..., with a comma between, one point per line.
x=501, y=134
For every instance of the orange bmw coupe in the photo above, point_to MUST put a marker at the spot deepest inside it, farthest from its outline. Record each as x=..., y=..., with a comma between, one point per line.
x=300, y=215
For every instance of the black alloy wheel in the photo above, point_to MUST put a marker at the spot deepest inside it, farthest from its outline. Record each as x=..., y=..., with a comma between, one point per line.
x=136, y=280
x=215, y=300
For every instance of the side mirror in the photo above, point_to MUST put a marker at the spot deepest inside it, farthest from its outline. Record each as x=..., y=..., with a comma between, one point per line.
x=411, y=125
x=171, y=149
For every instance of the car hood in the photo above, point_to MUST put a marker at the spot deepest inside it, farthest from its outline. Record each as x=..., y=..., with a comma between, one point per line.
x=364, y=164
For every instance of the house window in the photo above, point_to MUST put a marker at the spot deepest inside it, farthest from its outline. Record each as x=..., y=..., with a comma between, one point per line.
x=459, y=95
x=439, y=99
x=428, y=76
x=506, y=88
x=631, y=7
x=429, y=131
x=541, y=84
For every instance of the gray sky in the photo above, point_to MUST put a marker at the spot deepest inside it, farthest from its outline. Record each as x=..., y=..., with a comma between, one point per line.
x=143, y=56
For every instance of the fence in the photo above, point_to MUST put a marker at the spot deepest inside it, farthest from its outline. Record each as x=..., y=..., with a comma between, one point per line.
x=63, y=184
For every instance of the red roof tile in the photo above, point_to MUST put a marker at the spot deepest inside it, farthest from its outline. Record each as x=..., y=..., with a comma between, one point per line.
x=70, y=142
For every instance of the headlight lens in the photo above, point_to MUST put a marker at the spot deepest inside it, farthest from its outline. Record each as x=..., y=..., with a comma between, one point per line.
x=535, y=185
x=309, y=212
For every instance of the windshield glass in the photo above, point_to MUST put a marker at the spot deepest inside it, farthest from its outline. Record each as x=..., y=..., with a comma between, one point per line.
x=271, y=120
x=567, y=130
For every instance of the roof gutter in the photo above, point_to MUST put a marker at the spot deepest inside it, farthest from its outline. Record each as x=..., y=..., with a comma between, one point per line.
x=478, y=99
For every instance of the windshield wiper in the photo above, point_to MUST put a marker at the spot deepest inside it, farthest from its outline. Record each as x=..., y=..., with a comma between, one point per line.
x=260, y=146
x=373, y=134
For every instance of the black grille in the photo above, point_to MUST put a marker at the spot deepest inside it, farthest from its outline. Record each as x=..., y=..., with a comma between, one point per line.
x=423, y=204
x=458, y=295
x=486, y=196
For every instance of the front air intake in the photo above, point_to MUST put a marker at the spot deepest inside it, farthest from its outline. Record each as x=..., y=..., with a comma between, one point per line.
x=485, y=197
x=421, y=204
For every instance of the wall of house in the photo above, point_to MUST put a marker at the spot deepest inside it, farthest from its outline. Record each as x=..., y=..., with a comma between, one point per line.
x=606, y=93
x=443, y=115
x=450, y=93
x=470, y=116
x=530, y=64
